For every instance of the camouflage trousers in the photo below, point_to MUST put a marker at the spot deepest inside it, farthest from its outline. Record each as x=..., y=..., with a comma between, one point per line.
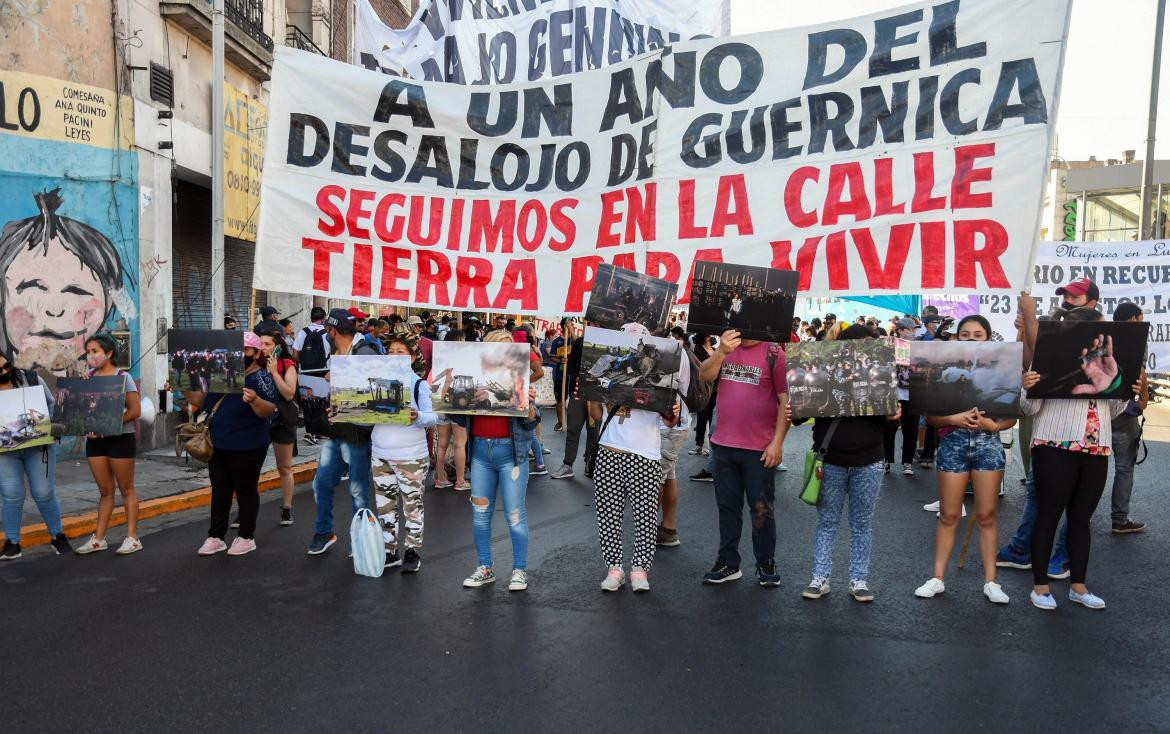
x=398, y=490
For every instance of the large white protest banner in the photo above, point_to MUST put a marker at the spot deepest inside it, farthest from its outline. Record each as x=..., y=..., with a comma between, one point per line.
x=506, y=41
x=1137, y=272
x=896, y=153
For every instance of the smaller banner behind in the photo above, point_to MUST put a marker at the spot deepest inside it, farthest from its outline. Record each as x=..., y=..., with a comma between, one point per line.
x=1123, y=271
x=245, y=124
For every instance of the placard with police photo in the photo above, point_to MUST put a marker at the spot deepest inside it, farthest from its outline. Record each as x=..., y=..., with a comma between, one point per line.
x=757, y=302
x=948, y=377
x=621, y=297
x=84, y=405
x=206, y=360
x=1088, y=359
x=854, y=377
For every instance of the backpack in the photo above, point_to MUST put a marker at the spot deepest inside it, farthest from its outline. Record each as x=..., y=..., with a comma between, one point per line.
x=312, y=355
x=698, y=393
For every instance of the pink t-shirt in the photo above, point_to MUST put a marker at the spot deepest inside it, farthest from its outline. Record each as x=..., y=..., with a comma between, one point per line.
x=746, y=405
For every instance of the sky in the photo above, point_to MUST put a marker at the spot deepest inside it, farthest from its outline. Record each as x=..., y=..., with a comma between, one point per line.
x=1105, y=93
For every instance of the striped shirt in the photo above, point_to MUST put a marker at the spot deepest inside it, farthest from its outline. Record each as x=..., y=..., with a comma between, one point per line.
x=1064, y=420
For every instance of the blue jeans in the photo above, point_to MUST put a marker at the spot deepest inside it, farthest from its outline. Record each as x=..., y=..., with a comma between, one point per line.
x=493, y=467
x=711, y=460
x=336, y=457
x=537, y=450
x=861, y=485
x=42, y=483
x=1021, y=542
x=740, y=475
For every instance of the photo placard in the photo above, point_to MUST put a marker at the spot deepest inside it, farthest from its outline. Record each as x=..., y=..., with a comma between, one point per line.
x=619, y=368
x=480, y=378
x=1089, y=359
x=206, y=360
x=85, y=405
x=757, y=302
x=24, y=419
x=854, y=377
x=371, y=389
x=621, y=297
x=949, y=377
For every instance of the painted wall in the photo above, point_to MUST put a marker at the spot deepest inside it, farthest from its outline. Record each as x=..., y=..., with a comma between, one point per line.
x=68, y=220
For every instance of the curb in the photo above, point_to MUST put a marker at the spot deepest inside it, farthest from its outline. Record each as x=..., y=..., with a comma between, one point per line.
x=84, y=524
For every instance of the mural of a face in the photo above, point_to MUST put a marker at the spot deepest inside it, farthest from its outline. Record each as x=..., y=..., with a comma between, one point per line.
x=59, y=280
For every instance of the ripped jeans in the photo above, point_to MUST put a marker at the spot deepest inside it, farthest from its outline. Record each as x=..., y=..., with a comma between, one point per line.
x=493, y=467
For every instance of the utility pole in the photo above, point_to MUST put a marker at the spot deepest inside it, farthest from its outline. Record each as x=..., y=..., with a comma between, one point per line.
x=1146, y=218
x=218, y=302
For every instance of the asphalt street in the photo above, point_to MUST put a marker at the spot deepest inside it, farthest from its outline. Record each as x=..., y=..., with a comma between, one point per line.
x=280, y=641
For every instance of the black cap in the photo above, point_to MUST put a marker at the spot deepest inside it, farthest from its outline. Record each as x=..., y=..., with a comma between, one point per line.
x=1126, y=311
x=266, y=311
x=341, y=320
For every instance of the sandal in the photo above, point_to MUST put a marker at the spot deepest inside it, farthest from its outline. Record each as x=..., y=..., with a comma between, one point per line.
x=464, y=487
x=444, y=485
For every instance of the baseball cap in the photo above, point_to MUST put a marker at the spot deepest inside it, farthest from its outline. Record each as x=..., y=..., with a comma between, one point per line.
x=1080, y=287
x=907, y=324
x=414, y=321
x=931, y=318
x=1126, y=311
x=251, y=340
x=357, y=313
x=341, y=320
x=266, y=311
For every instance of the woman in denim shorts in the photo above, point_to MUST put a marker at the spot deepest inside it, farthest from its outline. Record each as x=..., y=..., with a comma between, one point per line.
x=969, y=450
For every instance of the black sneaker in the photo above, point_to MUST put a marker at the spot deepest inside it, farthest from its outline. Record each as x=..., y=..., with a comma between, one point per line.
x=703, y=476
x=321, y=542
x=411, y=563
x=311, y=440
x=11, y=551
x=286, y=516
x=1129, y=525
x=61, y=544
x=235, y=522
x=720, y=574
x=392, y=560
x=767, y=574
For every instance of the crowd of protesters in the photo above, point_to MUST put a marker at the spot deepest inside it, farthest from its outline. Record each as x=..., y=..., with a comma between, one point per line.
x=630, y=455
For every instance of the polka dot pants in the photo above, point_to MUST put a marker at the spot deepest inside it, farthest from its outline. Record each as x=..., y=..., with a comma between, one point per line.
x=620, y=477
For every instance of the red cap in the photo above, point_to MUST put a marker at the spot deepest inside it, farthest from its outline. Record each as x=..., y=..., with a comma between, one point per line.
x=1080, y=287
x=357, y=313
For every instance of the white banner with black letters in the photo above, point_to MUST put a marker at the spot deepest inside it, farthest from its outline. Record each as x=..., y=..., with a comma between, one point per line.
x=900, y=152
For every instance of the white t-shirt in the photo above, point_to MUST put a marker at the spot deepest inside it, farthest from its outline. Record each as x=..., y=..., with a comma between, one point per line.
x=406, y=443
x=684, y=379
x=638, y=434
x=299, y=341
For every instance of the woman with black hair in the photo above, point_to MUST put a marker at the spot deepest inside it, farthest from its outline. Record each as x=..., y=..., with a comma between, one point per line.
x=61, y=279
x=111, y=458
x=37, y=464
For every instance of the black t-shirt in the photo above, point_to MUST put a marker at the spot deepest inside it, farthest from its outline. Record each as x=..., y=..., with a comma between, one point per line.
x=856, y=442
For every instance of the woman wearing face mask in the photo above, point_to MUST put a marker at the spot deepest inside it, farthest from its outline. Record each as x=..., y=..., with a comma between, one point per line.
x=111, y=458
x=284, y=427
x=37, y=464
x=240, y=432
x=969, y=450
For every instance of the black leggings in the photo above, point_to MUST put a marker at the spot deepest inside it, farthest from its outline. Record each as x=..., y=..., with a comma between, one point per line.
x=1065, y=480
x=909, y=424
x=235, y=472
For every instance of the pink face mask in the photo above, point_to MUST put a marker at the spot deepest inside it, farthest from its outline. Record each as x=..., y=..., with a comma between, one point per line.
x=96, y=361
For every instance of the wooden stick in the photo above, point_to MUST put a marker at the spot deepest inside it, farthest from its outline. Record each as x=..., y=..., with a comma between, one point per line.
x=967, y=539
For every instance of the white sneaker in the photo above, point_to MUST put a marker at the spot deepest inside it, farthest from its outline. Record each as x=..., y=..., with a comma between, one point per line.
x=931, y=506
x=482, y=575
x=564, y=472
x=129, y=545
x=615, y=578
x=932, y=588
x=1087, y=599
x=92, y=545
x=994, y=593
x=639, y=581
x=519, y=580
x=781, y=467
x=908, y=470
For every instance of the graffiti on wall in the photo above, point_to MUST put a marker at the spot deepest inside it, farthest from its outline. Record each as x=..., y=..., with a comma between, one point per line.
x=68, y=221
x=1069, y=231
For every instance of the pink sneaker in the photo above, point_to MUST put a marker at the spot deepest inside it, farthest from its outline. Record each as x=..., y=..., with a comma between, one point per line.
x=614, y=579
x=211, y=546
x=240, y=546
x=638, y=579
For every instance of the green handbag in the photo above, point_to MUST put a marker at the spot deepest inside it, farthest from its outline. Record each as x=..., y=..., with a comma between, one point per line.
x=814, y=469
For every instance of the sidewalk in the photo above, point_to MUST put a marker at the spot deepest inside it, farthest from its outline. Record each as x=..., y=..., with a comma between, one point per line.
x=164, y=482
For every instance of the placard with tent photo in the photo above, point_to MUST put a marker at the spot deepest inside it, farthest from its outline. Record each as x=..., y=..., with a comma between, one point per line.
x=619, y=368
x=948, y=377
x=855, y=377
x=621, y=296
x=371, y=389
x=206, y=360
x=1088, y=359
x=757, y=302
x=90, y=405
x=24, y=418
x=480, y=378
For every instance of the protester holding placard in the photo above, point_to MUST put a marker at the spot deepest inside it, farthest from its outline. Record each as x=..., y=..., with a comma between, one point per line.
x=1127, y=437
x=499, y=465
x=37, y=464
x=240, y=434
x=399, y=464
x=284, y=425
x=969, y=450
x=853, y=465
x=111, y=458
x=1071, y=445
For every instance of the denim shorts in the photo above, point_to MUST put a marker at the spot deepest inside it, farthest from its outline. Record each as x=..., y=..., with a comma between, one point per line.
x=964, y=450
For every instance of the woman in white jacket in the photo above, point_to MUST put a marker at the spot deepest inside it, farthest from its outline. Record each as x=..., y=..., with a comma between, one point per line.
x=399, y=462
